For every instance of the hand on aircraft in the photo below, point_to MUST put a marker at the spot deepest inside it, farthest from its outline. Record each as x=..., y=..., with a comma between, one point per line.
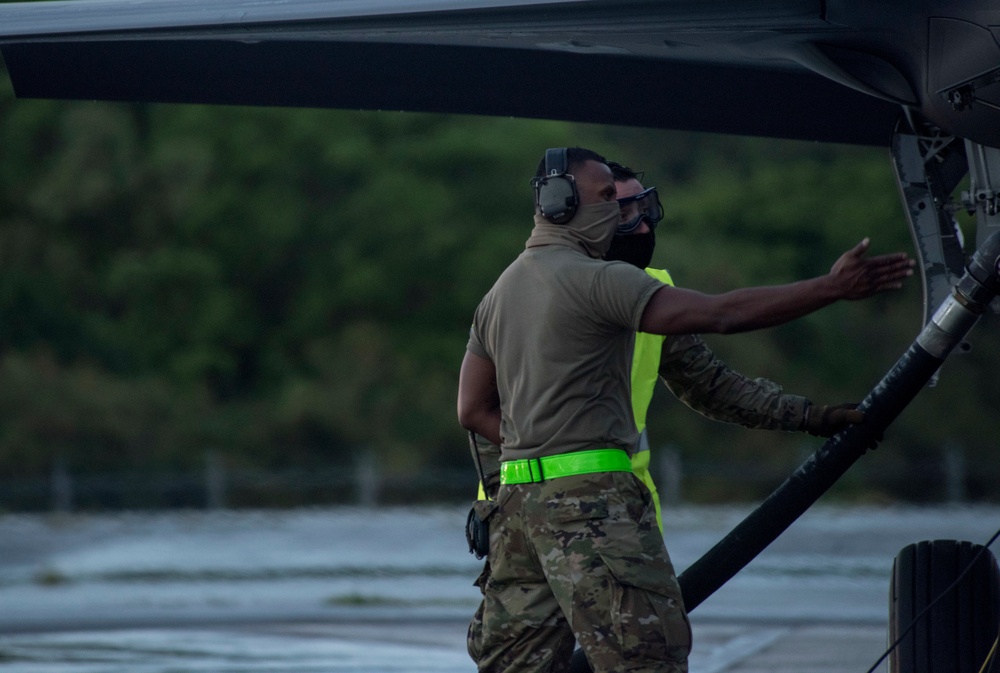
x=860, y=277
x=828, y=420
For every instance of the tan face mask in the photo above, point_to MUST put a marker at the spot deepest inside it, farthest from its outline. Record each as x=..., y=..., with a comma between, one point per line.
x=592, y=228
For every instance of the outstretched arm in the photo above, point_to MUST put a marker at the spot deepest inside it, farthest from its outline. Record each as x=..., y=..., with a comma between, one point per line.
x=478, y=399
x=674, y=310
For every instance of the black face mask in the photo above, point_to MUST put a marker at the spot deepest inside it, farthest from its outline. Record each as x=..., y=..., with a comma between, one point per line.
x=636, y=249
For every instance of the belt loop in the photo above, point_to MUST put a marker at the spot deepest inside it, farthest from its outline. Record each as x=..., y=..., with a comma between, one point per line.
x=536, y=470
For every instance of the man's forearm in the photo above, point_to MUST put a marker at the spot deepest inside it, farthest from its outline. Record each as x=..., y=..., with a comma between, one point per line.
x=486, y=425
x=681, y=311
x=854, y=276
x=709, y=386
x=759, y=307
x=478, y=399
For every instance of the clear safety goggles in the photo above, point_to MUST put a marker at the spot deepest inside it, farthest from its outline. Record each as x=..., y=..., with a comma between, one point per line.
x=634, y=209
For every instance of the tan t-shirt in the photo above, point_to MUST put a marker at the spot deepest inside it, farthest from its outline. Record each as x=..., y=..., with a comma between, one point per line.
x=559, y=326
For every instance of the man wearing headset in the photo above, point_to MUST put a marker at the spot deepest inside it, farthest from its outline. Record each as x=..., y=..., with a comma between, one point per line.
x=574, y=550
x=684, y=362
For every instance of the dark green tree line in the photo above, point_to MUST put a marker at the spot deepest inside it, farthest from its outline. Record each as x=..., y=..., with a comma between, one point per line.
x=291, y=287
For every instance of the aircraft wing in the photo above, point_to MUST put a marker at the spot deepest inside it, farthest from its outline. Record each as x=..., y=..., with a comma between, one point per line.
x=830, y=70
x=911, y=76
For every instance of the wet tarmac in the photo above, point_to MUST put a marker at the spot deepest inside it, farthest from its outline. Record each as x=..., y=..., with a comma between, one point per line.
x=315, y=590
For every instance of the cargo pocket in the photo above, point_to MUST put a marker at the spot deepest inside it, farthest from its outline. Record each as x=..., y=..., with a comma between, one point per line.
x=647, y=617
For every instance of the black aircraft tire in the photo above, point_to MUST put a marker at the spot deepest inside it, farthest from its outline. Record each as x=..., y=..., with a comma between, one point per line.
x=957, y=634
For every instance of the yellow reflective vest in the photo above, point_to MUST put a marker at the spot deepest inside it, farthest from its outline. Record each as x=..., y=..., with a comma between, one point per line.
x=645, y=368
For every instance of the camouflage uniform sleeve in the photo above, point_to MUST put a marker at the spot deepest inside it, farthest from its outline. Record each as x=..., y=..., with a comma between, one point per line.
x=706, y=384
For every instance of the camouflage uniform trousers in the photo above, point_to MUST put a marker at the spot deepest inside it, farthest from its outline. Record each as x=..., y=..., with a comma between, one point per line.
x=580, y=558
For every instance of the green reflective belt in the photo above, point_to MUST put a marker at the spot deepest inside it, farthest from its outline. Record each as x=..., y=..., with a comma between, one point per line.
x=528, y=470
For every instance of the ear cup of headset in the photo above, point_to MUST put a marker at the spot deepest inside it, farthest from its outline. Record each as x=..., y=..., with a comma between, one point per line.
x=555, y=193
x=557, y=198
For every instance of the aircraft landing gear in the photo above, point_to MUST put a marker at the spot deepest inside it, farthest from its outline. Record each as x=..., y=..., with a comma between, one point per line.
x=929, y=166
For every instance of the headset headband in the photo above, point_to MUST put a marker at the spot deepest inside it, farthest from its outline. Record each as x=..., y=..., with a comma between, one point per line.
x=555, y=161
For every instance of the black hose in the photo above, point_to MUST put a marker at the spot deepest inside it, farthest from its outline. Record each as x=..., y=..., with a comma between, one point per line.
x=809, y=481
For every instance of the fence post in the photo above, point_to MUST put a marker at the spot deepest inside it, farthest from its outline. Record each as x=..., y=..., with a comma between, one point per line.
x=368, y=479
x=62, y=485
x=215, y=481
x=954, y=472
x=671, y=475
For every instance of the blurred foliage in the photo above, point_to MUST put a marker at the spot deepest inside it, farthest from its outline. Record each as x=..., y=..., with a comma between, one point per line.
x=289, y=288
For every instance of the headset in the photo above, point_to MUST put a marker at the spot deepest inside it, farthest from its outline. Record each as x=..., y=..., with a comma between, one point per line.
x=556, y=197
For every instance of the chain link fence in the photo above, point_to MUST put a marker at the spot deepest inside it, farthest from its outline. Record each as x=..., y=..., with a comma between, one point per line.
x=217, y=486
